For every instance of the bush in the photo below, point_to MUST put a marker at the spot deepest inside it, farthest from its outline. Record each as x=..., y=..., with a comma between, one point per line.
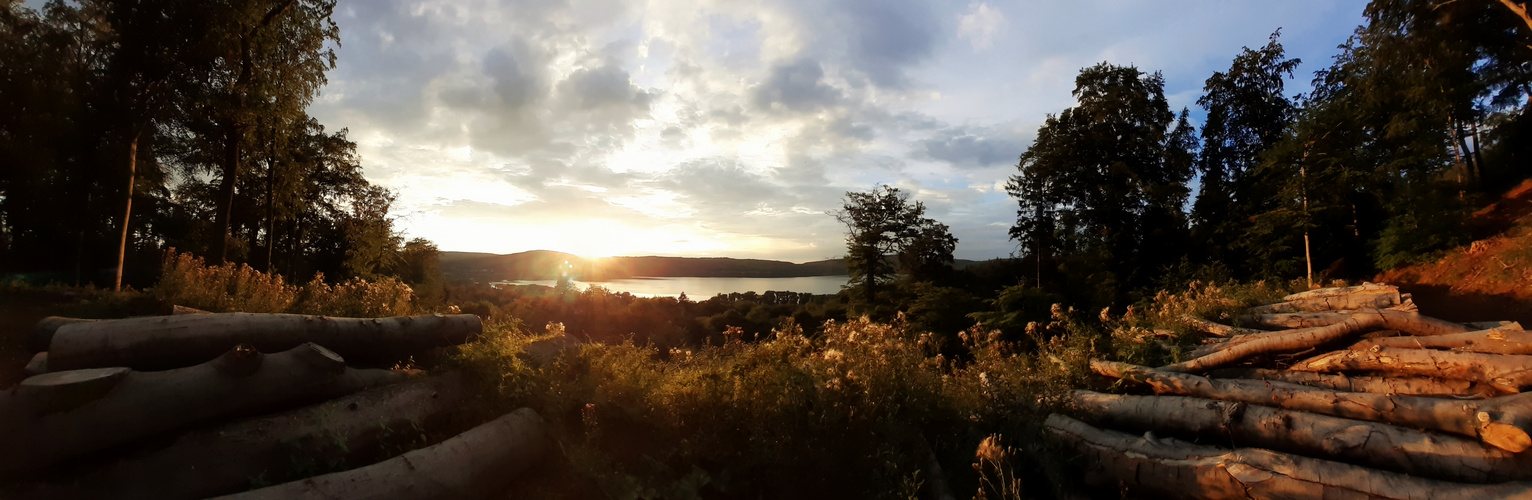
x=187, y=281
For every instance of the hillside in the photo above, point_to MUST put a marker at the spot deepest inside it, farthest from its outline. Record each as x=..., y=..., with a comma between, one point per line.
x=462, y=267
x=1493, y=274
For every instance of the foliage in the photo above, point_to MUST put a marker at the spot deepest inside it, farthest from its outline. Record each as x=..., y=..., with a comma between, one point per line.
x=187, y=281
x=882, y=223
x=1107, y=178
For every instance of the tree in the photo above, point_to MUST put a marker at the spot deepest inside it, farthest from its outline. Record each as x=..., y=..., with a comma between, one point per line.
x=1246, y=114
x=883, y=228
x=1106, y=180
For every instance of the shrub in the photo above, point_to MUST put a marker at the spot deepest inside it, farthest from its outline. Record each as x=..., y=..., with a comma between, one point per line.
x=186, y=280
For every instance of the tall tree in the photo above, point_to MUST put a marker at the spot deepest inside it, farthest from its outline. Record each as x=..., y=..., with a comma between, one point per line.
x=1108, y=176
x=1246, y=113
x=883, y=228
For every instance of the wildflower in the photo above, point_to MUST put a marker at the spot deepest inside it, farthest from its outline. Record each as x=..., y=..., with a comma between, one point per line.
x=833, y=355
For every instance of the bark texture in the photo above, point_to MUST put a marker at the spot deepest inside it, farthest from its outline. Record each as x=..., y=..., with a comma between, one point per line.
x=1168, y=468
x=164, y=342
x=1245, y=346
x=223, y=459
x=479, y=463
x=1502, y=422
x=1368, y=444
x=1506, y=372
x=1492, y=341
x=1379, y=297
x=1408, y=386
x=60, y=415
x=1216, y=329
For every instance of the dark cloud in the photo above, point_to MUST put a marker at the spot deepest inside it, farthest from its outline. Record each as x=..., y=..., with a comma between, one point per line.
x=885, y=36
x=964, y=147
x=796, y=86
x=602, y=87
x=518, y=73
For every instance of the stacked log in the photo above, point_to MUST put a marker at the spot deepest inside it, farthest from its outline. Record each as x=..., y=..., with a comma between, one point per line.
x=196, y=404
x=1353, y=393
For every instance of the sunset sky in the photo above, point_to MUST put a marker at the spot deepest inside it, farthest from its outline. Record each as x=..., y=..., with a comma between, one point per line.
x=729, y=128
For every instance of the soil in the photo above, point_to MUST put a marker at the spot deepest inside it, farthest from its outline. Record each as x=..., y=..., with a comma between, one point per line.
x=1491, y=278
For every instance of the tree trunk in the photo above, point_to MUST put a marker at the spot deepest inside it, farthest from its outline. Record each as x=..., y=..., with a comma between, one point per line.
x=1368, y=444
x=127, y=215
x=1244, y=346
x=1168, y=468
x=1369, y=298
x=356, y=429
x=1296, y=320
x=60, y=415
x=1407, y=386
x=1216, y=329
x=479, y=463
x=220, y=248
x=160, y=342
x=1492, y=341
x=1502, y=422
x=1295, y=340
x=1506, y=372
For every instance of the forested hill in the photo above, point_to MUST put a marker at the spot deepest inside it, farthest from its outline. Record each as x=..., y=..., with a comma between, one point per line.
x=544, y=264
x=465, y=267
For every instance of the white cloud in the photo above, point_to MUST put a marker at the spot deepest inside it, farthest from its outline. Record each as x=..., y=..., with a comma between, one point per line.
x=980, y=24
x=713, y=127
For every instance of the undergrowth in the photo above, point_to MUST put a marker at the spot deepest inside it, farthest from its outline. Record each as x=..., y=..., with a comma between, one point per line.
x=186, y=280
x=849, y=412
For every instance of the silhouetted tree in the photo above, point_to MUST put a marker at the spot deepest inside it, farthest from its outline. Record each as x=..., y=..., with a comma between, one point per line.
x=883, y=228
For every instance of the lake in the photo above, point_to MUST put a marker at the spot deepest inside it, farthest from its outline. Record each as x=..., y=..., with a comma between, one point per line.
x=704, y=288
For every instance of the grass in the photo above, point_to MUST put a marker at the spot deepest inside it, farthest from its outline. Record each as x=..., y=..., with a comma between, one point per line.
x=846, y=413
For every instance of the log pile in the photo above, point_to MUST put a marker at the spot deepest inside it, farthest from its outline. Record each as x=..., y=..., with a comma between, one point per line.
x=1342, y=393
x=197, y=405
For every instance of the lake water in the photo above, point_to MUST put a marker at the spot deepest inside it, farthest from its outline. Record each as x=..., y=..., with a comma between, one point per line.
x=704, y=288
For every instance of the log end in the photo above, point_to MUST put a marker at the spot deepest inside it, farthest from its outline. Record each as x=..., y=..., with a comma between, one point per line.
x=59, y=391
x=1505, y=436
x=38, y=365
x=42, y=334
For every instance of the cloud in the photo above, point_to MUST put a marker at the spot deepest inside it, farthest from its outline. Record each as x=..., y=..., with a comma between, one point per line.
x=730, y=128
x=980, y=24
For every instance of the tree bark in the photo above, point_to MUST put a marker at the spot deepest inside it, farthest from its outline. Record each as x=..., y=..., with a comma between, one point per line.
x=355, y=429
x=1216, y=329
x=1492, y=341
x=1338, y=291
x=479, y=463
x=1168, y=468
x=1367, y=298
x=1506, y=372
x=1368, y=444
x=1295, y=340
x=1407, y=386
x=233, y=133
x=1502, y=422
x=60, y=415
x=127, y=215
x=1295, y=320
x=161, y=342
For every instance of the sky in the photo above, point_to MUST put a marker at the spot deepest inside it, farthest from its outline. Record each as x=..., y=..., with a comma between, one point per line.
x=733, y=127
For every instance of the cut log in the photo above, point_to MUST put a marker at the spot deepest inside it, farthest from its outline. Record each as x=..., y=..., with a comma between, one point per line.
x=38, y=365
x=42, y=334
x=1494, y=325
x=1408, y=386
x=163, y=342
x=479, y=463
x=178, y=310
x=1492, y=341
x=1321, y=293
x=1250, y=345
x=225, y=459
x=1502, y=422
x=1215, y=329
x=1369, y=444
x=1506, y=372
x=1409, y=322
x=1370, y=298
x=60, y=415
x=1244, y=346
x=1168, y=468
